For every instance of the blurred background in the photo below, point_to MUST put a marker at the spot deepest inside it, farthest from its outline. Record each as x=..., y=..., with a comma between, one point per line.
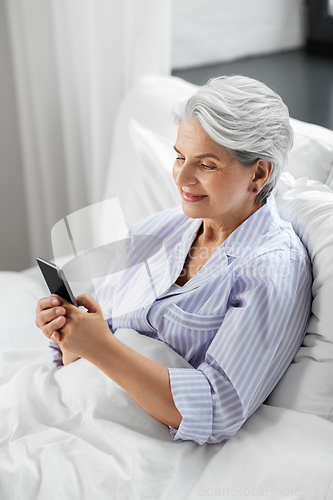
x=66, y=65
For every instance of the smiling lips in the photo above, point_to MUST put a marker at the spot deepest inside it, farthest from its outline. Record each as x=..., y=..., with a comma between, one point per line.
x=192, y=197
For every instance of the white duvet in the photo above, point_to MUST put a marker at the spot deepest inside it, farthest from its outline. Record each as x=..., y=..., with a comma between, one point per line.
x=74, y=434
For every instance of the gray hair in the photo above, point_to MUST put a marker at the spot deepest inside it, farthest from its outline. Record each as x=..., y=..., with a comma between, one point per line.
x=247, y=118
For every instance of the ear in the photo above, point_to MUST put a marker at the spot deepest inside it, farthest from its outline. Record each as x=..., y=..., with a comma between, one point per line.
x=261, y=173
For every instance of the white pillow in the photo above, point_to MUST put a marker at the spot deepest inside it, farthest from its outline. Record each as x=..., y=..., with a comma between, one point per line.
x=310, y=157
x=312, y=152
x=307, y=385
x=329, y=181
x=152, y=188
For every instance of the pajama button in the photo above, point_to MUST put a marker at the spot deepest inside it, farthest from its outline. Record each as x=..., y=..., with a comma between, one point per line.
x=146, y=306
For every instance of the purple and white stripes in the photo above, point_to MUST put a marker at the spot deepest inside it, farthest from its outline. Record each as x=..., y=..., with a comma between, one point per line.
x=239, y=321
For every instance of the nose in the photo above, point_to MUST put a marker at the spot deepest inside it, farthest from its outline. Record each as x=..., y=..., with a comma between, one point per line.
x=183, y=174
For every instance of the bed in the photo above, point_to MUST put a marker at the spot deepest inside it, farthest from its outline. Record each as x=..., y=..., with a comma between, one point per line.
x=74, y=434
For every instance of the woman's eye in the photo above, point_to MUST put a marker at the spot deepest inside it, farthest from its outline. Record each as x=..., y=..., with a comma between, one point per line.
x=208, y=167
x=180, y=159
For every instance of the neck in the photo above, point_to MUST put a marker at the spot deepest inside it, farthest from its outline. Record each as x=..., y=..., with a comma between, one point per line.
x=216, y=232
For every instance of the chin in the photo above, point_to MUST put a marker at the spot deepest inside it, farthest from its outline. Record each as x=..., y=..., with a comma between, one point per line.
x=192, y=212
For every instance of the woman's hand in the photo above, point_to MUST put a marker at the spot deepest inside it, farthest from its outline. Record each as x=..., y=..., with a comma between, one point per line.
x=50, y=316
x=83, y=333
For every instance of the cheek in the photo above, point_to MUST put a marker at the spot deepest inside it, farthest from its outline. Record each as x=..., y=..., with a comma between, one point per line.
x=175, y=170
x=226, y=185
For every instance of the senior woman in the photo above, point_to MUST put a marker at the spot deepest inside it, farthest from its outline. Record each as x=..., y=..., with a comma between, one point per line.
x=238, y=298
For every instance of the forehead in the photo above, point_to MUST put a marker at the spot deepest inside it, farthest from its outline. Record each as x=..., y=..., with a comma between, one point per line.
x=193, y=139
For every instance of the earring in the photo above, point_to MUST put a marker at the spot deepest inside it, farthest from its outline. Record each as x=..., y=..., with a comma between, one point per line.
x=254, y=190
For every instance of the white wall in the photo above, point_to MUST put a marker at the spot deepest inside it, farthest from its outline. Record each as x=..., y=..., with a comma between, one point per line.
x=213, y=31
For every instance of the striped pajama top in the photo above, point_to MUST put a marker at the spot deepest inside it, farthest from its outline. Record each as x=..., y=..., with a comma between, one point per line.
x=239, y=321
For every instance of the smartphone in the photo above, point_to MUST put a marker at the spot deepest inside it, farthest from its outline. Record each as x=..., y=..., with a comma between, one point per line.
x=56, y=280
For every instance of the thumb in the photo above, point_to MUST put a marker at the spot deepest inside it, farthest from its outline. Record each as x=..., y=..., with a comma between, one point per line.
x=88, y=302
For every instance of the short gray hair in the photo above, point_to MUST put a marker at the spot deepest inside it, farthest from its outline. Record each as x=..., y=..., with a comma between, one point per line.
x=247, y=118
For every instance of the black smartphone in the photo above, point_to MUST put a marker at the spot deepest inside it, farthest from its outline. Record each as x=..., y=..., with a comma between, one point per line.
x=56, y=280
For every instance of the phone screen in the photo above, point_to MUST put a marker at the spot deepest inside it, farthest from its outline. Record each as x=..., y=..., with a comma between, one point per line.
x=56, y=281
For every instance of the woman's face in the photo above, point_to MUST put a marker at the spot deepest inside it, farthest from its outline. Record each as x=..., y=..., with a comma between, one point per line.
x=213, y=185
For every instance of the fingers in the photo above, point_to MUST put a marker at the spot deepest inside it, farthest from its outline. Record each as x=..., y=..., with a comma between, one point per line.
x=52, y=328
x=53, y=313
x=47, y=302
x=88, y=302
x=48, y=315
x=55, y=336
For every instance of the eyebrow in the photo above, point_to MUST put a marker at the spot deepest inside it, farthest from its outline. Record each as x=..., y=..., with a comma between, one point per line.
x=205, y=155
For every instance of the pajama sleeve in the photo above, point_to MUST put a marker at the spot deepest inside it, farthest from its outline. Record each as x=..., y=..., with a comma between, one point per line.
x=56, y=354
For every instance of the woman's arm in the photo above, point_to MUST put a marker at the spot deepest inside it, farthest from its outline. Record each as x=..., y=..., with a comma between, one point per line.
x=145, y=380
x=87, y=335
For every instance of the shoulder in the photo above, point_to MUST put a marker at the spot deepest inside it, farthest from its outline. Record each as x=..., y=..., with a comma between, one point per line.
x=281, y=254
x=269, y=251
x=284, y=243
x=278, y=270
x=280, y=237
